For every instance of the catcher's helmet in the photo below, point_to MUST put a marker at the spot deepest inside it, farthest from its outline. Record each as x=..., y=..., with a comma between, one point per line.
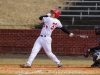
x=57, y=12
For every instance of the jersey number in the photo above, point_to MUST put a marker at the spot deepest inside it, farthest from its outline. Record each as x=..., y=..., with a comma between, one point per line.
x=53, y=26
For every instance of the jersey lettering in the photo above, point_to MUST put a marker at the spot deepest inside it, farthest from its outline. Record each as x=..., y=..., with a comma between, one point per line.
x=53, y=26
x=45, y=26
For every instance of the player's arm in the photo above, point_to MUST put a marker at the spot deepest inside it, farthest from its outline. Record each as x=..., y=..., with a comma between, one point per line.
x=64, y=29
x=91, y=50
x=41, y=17
x=94, y=48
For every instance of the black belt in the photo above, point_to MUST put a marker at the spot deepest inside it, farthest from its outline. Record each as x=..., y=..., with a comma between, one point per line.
x=43, y=35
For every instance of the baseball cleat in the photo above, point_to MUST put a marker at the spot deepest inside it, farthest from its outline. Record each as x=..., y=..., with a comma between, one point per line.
x=59, y=65
x=95, y=64
x=25, y=66
x=99, y=65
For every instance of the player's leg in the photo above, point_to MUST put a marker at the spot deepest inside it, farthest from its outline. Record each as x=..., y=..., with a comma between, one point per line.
x=48, y=51
x=95, y=64
x=98, y=58
x=99, y=63
x=36, y=48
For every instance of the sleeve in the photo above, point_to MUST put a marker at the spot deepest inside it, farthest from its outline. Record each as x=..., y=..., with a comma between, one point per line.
x=41, y=17
x=45, y=19
x=59, y=25
x=64, y=29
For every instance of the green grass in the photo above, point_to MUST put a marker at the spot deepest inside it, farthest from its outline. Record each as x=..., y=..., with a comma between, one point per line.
x=44, y=60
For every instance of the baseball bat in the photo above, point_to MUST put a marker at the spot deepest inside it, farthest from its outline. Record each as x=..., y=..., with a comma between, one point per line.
x=81, y=35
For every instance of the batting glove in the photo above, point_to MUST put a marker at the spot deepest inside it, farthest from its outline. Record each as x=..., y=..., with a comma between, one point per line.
x=49, y=14
x=71, y=34
x=86, y=53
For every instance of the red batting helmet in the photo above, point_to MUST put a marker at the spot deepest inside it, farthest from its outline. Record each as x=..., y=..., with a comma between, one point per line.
x=57, y=12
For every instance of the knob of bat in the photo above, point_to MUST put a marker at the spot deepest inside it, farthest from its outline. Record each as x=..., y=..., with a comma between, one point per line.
x=87, y=36
x=71, y=34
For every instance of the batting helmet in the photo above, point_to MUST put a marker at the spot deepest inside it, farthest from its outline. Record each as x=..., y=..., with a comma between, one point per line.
x=57, y=12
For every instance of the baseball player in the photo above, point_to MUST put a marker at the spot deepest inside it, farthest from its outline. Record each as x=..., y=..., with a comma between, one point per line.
x=44, y=40
x=95, y=51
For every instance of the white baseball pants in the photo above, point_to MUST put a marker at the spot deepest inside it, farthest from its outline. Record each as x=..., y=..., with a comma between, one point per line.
x=44, y=42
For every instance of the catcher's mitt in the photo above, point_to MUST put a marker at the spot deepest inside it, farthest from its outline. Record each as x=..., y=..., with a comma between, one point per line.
x=86, y=53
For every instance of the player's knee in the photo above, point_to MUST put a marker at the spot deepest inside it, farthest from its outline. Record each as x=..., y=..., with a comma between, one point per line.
x=50, y=55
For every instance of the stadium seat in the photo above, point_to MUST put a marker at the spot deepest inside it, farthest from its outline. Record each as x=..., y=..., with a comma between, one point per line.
x=80, y=13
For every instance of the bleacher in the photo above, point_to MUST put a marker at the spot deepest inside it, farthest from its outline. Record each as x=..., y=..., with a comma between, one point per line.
x=83, y=14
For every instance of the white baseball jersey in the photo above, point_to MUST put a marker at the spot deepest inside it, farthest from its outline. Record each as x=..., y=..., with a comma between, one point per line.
x=49, y=25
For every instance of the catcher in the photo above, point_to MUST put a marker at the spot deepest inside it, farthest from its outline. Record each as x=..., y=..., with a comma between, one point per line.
x=95, y=51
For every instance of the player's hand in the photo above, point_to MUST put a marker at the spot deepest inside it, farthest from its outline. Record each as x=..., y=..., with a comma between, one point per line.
x=49, y=14
x=86, y=53
x=71, y=34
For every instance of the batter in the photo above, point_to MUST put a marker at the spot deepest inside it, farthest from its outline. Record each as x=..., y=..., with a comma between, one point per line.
x=44, y=40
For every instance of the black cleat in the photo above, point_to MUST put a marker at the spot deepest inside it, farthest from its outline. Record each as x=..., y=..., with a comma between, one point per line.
x=95, y=64
x=99, y=65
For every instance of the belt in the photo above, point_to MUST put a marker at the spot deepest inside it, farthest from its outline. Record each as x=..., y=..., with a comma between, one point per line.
x=43, y=35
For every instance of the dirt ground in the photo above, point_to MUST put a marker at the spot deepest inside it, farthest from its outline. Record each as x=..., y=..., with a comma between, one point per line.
x=40, y=69
x=42, y=65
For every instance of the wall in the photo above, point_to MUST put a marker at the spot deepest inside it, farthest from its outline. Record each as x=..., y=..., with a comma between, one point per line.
x=21, y=41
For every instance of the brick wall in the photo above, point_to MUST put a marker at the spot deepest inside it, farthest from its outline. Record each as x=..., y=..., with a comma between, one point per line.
x=21, y=41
